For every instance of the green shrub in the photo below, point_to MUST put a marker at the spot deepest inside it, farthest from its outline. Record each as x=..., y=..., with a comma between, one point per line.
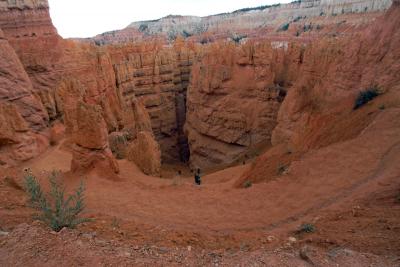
x=281, y=169
x=366, y=96
x=307, y=27
x=284, y=27
x=186, y=34
x=247, y=184
x=143, y=27
x=306, y=228
x=54, y=209
x=297, y=18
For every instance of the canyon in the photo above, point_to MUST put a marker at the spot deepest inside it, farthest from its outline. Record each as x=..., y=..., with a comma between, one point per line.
x=179, y=83
x=261, y=100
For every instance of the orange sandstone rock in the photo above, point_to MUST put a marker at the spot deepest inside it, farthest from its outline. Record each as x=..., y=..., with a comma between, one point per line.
x=234, y=97
x=91, y=140
x=145, y=152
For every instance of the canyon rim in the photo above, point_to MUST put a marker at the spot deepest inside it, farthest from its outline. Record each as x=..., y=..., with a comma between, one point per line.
x=290, y=112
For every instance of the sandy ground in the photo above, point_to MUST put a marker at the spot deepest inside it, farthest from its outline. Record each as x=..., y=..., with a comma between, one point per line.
x=348, y=190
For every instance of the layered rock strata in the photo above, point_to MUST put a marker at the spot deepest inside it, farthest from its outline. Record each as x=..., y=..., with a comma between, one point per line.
x=234, y=97
x=242, y=22
x=210, y=104
x=158, y=77
x=144, y=150
x=90, y=138
x=22, y=114
x=44, y=71
x=319, y=109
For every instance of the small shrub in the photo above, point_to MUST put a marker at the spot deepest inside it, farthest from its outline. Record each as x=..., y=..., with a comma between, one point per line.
x=186, y=34
x=306, y=228
x=284, y=27
x=297, y=19
x=54, y=209
x=143, y=27
x=281, y=169
x=307, y=27
x=382, y=107
x=366, y=96
x=247, y=184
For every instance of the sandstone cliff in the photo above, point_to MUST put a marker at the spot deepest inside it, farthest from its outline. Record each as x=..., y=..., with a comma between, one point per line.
x=242, y=22
x=318, y=110
x=158, y=77
x=21, y=112
x=209, y=104
x=41, y=68
x=49, y=60
x=144, y=150
x=234, y=97
x=90, y=139
x=334, y=73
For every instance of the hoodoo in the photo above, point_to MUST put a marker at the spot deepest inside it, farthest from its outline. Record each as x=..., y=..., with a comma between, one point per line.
x=289, y=113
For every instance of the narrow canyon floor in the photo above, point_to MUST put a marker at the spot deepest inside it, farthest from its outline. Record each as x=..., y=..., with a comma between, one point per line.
x=353, y=202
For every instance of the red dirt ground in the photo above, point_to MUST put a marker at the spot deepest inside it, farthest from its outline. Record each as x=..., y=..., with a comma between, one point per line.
x=348, y=190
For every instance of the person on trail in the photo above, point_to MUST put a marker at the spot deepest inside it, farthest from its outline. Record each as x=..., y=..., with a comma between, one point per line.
x=197, y=177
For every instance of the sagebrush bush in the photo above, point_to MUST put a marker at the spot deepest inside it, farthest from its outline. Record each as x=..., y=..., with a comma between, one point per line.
x=306, y=228
x=366, y=96
x=55, y=210
x=247, y=184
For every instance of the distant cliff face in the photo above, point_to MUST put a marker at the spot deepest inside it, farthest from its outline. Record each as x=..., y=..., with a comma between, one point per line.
x=242, y=21
x=23, y=4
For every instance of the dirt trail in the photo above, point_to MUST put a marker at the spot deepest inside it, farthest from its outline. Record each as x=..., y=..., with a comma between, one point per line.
x=318, y=180
x=322, y=187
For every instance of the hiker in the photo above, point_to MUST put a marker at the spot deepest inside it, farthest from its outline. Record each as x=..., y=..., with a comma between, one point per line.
x=197, y=177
